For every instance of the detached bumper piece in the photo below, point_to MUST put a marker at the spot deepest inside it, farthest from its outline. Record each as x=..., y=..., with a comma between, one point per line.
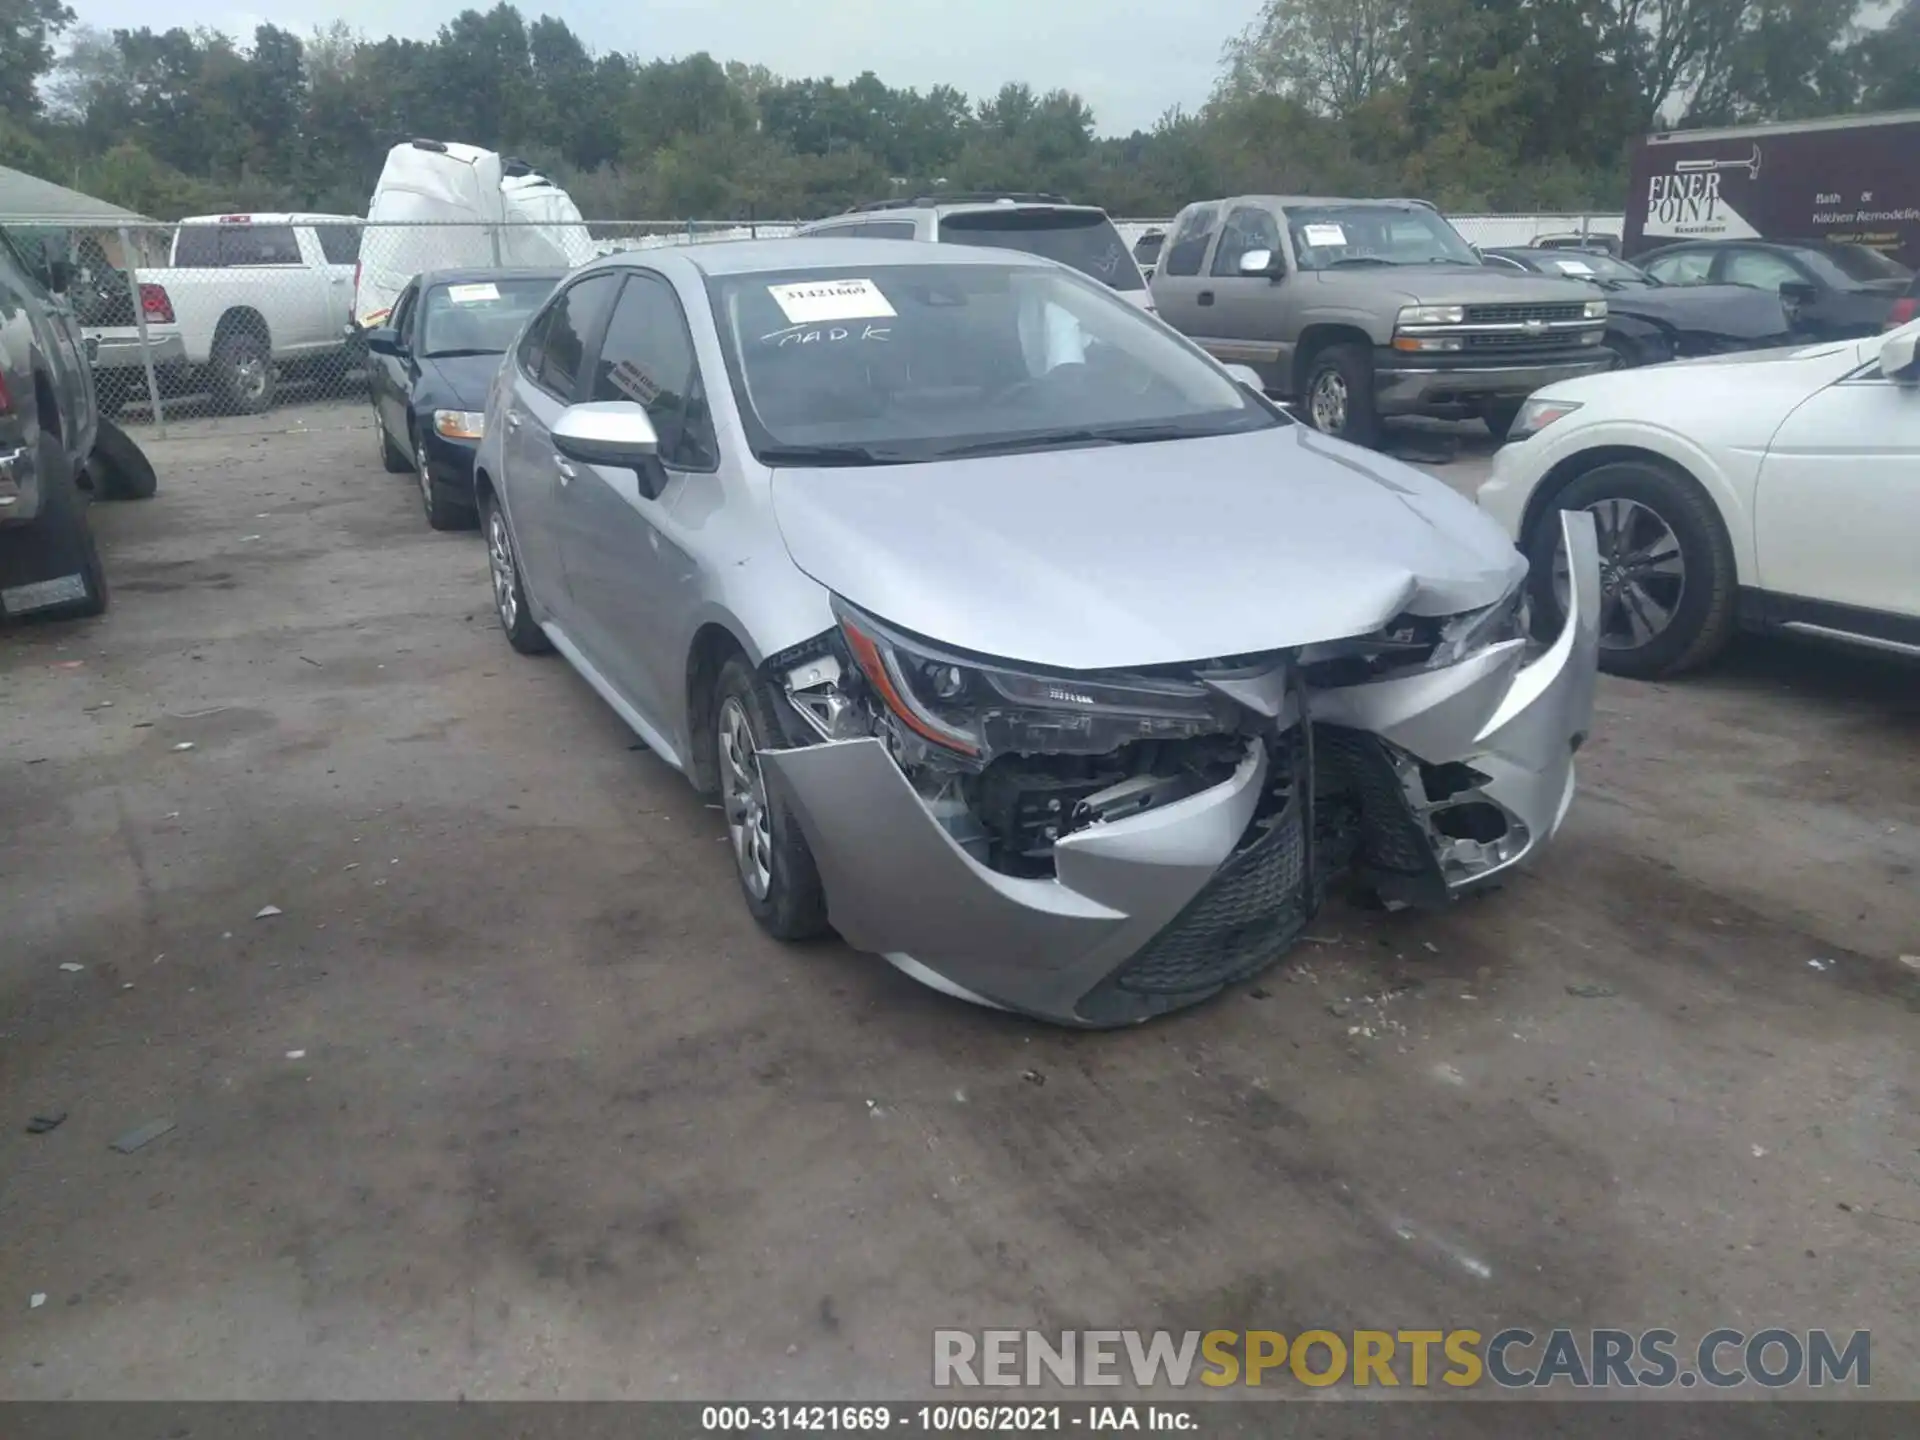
x=1423, y=785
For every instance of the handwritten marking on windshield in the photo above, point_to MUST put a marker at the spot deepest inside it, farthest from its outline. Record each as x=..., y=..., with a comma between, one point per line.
x=817, y=334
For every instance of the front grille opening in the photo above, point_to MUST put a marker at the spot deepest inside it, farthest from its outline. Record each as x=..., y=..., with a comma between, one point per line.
x=1476, y=820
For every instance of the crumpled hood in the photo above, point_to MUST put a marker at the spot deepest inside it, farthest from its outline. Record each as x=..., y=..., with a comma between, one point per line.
x=1112, y=557
x=1740, y=312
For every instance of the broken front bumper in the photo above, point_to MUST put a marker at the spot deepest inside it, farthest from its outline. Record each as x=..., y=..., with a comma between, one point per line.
x=1161, y=909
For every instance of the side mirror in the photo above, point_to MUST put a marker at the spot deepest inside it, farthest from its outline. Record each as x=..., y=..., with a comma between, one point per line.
x=1798, y=292
x=615, y=433
x=1897, y=360
x=1262, y=263
x=59, y=276
x=385, y=341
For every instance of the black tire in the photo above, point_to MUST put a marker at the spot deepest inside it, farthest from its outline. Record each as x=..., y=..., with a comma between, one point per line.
x=393, y=459
x=1351, y=368
x=118, y=468
x=1499, y=417
x=442, y=511
x=794, y=906
x=61, y=529
x=242, y=373
x=1703, y=616
x=523, y=633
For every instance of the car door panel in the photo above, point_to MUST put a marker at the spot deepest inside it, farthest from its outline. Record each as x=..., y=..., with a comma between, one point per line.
x=1249, y=310
x=545, y=380
x=1837, y=517
x=632, y=579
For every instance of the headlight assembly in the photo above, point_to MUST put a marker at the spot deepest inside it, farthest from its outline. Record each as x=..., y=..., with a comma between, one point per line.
x=460, y=424
x=1536, y=415
x=977, y=709
x=1474, y=630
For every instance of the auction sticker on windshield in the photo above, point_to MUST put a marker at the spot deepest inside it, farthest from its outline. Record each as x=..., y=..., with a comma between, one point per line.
x=1574, y=267
x=1318, y=235
x=473, y=294
x=808, y=301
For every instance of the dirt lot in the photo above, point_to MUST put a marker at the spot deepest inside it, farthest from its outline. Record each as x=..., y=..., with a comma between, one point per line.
x=511, y=1099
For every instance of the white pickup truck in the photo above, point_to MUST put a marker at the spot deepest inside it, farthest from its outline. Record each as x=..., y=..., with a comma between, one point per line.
x=244, y=298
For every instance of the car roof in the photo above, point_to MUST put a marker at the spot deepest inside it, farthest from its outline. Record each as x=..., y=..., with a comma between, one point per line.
x=1289, y=202
x=474, y=273
x=800, y=252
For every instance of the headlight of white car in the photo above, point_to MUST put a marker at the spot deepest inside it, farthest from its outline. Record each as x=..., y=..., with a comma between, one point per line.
x=1536, y=415
x=460, y=424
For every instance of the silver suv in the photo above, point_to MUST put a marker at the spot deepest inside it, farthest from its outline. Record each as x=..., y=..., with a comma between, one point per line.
x=1046, y=225
x=1362, y=308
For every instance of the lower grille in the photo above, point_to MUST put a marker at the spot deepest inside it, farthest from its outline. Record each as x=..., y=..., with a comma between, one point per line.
x=1391, y=848
x=1245, y=918
x=1553, y=340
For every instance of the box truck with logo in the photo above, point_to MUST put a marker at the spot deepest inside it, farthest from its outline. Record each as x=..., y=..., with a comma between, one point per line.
x=1854, y=179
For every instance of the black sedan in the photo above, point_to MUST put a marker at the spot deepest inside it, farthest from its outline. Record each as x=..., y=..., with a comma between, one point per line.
x=1648, y=321
x=1832, y=291
x=430, y=370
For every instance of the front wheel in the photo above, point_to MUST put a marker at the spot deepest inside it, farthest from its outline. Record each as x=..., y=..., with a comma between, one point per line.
x=778, y=878
x=1667, y=581
x=1338, y=396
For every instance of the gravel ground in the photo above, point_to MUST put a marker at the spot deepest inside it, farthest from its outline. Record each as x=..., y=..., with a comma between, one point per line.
x=510, y=1098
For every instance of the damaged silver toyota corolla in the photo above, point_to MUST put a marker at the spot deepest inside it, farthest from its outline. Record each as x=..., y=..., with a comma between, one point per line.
x=1021, y=642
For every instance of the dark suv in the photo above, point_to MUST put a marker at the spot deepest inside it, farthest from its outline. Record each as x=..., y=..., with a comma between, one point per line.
x=48, y=423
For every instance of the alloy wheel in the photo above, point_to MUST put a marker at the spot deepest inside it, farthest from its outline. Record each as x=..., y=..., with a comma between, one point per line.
x=506, y=597
x=1643, y=575
x=743, y=796
x=250, y=377
x=1328, y=403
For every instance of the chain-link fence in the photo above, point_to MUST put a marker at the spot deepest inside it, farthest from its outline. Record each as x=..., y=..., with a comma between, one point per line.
x=263, y=318
x=262, y=322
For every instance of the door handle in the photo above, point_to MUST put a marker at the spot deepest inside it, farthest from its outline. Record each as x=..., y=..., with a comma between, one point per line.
x=1206, y=297
x=567, y=472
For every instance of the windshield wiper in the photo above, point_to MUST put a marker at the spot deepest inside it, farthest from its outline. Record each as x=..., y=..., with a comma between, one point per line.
x=456, y=354
x=826, y=455
x=1064, y=439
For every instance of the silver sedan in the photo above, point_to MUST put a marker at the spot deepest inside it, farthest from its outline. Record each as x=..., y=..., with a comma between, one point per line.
x=1024, y=644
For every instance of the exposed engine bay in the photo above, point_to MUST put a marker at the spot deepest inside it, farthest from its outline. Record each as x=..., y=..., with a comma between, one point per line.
x=1010, y=762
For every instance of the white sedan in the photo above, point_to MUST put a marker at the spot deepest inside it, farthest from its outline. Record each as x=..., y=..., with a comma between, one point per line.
x=1774, y=490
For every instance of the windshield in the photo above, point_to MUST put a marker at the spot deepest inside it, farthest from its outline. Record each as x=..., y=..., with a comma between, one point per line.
x=900, y=363
x=1847, y=265
x=480, y=317
x=1585, y=265
x=1330, y=237
x=1084, y=239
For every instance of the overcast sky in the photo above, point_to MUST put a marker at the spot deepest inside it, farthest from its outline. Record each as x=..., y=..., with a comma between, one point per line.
x=1129, y=58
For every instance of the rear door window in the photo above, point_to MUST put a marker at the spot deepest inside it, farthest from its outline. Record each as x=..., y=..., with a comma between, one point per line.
x=1687, y=267
x=575, y=321
x=339, y=243
x=1188, y=247
x=1084, y=239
